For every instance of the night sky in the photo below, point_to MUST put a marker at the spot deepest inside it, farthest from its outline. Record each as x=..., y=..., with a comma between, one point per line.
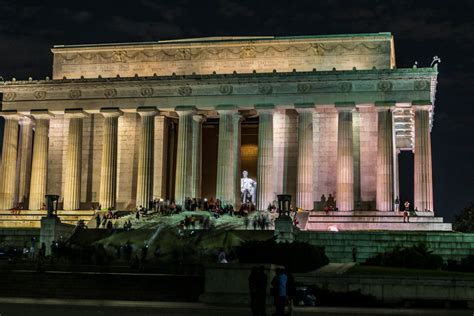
x=422, y=29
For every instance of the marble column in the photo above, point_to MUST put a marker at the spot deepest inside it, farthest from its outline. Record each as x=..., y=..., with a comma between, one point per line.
x=304, y=183
x=345, y=162
x=108, y=169
x=72, y=179
x=225, y=184
x=237, y=119
x=265, y=172
x=423, y=167
x=39, y=166
x=183, y=154
x=145, y=156
x=25, y=148
x=384, y=188
x=9, y=156
x=196, y=165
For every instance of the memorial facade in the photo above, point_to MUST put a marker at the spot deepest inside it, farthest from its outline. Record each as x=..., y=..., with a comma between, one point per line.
x=119, y=125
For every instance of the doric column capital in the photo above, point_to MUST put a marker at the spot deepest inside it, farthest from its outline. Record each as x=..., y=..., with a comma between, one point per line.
x=41, y=114
x=10, y=115
x=305, y=107
x=75, y=113
x=147, y=111
x=111, y=112
x=265, y=108
x=226, y=108
x=199, y=118
x=381, y=106
x=345, y=106
x=421, y=106
x=185, y=109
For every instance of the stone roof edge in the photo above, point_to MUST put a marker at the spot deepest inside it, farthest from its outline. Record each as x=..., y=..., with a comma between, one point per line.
x=222, y=40
x=428, y=71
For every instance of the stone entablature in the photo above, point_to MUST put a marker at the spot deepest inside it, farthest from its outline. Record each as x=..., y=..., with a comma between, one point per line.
x=225, y=55
x=208, y=91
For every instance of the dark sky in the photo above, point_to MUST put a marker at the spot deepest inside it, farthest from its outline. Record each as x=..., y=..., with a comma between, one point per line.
x=422, y=29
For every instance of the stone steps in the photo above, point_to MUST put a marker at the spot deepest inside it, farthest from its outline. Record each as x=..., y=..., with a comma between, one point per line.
x=32, y=218
x=372, y=219
x=378, y=226
x=366, y=213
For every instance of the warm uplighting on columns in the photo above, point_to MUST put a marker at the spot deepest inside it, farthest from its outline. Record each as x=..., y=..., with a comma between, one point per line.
x=145, y=156
x=304, y=184
x=72, y=178
x=39, y=166
x=184, y=153
x=384, y=188
x=108, y=171
x=196, y=165
x=9, y=154
x=265, y=172
x=345, y=160
x=226, y=183
x=423, y=166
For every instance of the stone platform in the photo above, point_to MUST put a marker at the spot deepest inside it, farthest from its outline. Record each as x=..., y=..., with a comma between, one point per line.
x=32, y=219
x=373, y=221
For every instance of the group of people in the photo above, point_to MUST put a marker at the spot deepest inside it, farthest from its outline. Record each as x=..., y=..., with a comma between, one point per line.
x=282, y=289
x=260, y=220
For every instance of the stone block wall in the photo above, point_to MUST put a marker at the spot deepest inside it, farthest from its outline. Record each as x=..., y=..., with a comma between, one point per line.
x=285, y=151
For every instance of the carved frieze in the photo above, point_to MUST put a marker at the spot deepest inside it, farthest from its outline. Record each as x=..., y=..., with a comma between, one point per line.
x=185, y=91
x=345, y=86
x=422, y=85
x=75, y=94
x=146, y=92
x=40, y=95
x=226, y=89
x=265, y=89
x=303, y=88
x=214, y=53
x=110, y=93
x=9, y=96
x=384, y=86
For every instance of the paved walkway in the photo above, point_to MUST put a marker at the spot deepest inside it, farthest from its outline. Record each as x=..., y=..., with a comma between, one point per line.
x=53, y=307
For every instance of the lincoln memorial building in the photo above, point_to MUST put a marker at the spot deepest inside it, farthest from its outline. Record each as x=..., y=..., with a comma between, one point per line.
x=119, y=125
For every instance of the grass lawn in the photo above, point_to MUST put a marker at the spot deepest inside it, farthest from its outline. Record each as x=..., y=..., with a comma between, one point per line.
x=400, y=272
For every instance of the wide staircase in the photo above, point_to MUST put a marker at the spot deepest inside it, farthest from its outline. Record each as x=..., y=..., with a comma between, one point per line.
x=32, y=219
x=373, y=221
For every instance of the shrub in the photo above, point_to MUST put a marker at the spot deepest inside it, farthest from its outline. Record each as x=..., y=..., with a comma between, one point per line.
x=416, y=257
x=296, y=256
x=464, y=221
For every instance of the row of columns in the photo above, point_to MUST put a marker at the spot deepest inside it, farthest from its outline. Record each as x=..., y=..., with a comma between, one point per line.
x=188, y=165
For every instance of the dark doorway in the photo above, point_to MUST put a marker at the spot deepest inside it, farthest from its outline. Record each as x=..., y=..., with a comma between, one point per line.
x=406, y=177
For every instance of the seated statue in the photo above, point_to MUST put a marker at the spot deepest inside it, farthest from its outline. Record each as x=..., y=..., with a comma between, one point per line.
x=247, y=188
